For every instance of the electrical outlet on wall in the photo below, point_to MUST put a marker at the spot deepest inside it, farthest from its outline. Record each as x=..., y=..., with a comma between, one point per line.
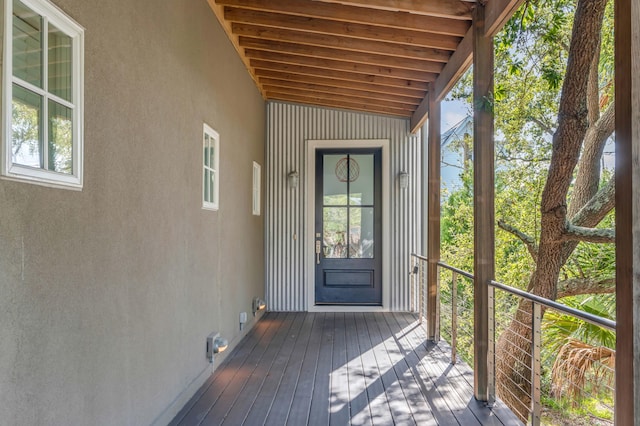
x=243, y=319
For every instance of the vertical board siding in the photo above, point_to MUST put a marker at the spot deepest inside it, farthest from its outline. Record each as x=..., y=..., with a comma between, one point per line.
x=289, y=127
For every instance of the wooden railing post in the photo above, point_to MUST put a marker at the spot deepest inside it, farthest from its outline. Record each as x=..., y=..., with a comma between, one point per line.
x=627, y=99
x=483, y=195
x=433, y=213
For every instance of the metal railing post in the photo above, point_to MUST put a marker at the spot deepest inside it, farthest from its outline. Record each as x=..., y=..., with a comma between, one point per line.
x=535, y=364
x=412, y=282
x=491, y=357
x=454, y=316
x=436, y=334
x=421, y=290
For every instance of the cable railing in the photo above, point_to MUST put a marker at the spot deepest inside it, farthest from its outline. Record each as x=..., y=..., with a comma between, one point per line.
x=544, y=361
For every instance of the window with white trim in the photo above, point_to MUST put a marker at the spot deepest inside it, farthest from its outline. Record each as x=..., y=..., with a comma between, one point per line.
x=210, y=169
x=257, y=174
x=43, y=95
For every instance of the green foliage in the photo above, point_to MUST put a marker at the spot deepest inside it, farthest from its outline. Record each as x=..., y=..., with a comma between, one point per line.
x=457, y=225
x=559, y=328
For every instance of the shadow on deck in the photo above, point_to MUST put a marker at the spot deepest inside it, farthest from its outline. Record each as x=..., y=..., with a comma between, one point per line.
x=339, y=369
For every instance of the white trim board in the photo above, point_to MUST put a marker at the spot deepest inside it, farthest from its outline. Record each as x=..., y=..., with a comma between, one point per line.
x=312, y=146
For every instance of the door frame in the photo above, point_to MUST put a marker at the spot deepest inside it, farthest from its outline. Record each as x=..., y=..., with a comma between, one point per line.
x=310, y=202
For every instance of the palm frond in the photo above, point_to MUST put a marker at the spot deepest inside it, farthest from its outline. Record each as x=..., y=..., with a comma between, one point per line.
x=579, y=363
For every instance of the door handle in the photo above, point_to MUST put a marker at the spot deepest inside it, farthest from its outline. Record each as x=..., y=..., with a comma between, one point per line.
x=318, y=249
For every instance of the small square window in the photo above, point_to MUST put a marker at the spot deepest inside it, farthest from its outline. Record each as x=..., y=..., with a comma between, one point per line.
x=257, y=175
x=210, y=168
x=43, y=95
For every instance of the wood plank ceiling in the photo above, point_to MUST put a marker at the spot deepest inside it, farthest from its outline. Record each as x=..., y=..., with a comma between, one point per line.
x=376, y=56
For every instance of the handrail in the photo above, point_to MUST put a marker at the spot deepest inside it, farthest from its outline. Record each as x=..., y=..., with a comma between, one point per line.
x=420, y=257
x=444, y=265
x=456, y=270
x=585, y=316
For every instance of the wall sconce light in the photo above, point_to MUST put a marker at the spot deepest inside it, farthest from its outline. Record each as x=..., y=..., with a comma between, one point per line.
x=293, y=179
x=403, y=177
x=258, y=305
x=215, y=345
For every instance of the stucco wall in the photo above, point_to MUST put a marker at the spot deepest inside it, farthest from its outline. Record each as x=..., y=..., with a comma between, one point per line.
x=107, y=295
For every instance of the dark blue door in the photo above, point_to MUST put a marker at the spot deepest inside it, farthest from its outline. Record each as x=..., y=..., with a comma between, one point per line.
x=348, y=227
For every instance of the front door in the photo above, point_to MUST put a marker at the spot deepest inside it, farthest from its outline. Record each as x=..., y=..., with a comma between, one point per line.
x=348, y=229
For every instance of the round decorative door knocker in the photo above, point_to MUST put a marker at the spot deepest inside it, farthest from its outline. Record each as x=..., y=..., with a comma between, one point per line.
x=347, y=170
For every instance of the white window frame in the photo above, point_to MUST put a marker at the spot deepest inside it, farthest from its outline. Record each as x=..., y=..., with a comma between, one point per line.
x=213, y=168
x=256, y=189
x=41, y=176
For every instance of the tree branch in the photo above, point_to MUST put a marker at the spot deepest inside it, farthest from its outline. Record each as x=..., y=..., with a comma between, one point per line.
x=593, y=91
x=444, y=163
x=547, y=129
x=588, y=176
x=597, y=207
x=578, y=286
x=505, y=157
x=589, y=235
x=528, y=241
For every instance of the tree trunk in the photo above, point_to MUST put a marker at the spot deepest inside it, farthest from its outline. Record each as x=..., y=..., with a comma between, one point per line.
x=513, y=348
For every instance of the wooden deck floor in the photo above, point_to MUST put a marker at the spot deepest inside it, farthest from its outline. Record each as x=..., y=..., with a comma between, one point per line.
x=339, y=369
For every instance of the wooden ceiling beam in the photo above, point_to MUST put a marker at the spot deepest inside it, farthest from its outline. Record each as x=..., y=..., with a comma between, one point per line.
x=327, y=64
x=338, y=54
x=329, y=96
x=340, y=42
x=354, y=106
x=263, y=74
x=453, y=9
x=339, y=75
x=345, y=91
x=339, y=12
x=498, y=13
x=325, y=26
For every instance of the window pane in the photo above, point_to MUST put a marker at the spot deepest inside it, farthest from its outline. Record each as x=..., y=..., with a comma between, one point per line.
x=27, y=44
x=26, y=144
x=207, y=163
x=60, y=57
x=60, y=138
x=207, y=179
x=361, y=232
x=212, y=186
x=361, y=172
x=335, y=180
x=334, y=232
x=212, y=155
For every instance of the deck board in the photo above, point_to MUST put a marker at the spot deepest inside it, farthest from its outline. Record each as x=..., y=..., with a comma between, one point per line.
x=339, y=408
x=358, y=399
x=431, y=362
x=415, y=399
x=301, y=404
x=263, y=403
x=339, y=369
x=320, y=400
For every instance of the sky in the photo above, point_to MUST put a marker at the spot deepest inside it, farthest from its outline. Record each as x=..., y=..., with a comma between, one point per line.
x=453, y=111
